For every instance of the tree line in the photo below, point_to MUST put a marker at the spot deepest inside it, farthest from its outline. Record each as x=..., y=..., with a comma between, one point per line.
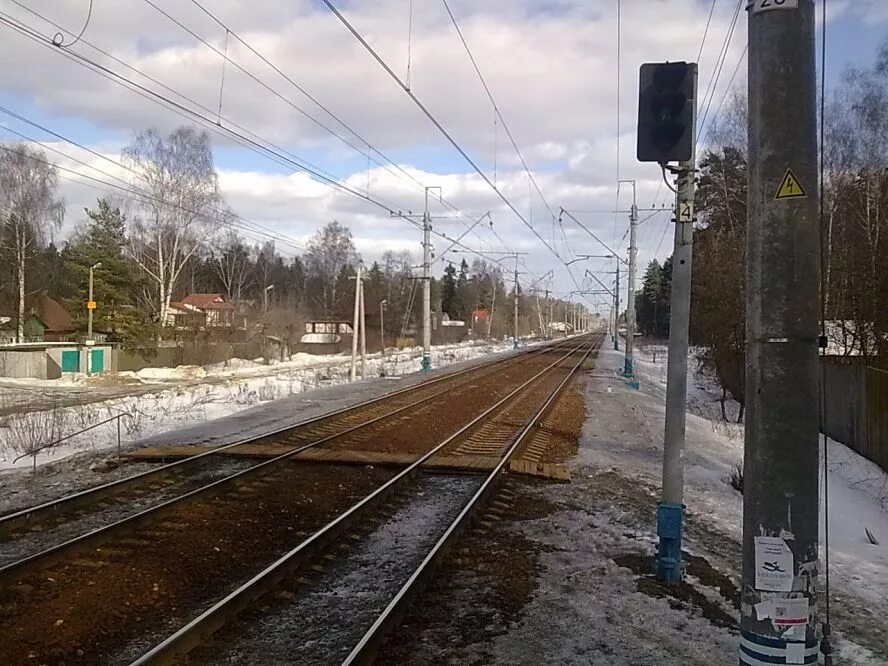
x=177, y=235
x=854, y=230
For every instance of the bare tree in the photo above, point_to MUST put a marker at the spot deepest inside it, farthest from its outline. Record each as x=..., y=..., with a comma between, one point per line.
x=30, y=210
x=231, y=262
x=330, y=251
x=178, y=173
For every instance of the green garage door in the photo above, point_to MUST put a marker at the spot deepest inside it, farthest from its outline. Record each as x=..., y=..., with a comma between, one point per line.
x=96, y=360
x=71, y=361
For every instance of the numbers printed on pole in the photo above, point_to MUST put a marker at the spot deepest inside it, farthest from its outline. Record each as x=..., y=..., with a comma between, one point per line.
x=758, y=6
x=685, y=211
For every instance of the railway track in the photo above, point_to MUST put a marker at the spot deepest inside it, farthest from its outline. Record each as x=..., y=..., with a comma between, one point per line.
x=106, y=560
x=343, y=616
x=89, y=516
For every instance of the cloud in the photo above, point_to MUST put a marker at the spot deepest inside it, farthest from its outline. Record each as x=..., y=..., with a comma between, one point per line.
x=551, y=66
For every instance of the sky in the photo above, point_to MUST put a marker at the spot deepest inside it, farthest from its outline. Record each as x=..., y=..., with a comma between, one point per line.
x=564, y=90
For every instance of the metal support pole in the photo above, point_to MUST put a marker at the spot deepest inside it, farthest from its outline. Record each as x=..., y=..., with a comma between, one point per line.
x=426, y=287
x=363, y=335
x=670, y=510
x=355, y=324
x=629, y=366
x=780, y=499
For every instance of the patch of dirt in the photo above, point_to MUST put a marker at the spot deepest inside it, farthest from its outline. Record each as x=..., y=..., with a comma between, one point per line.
x=684, y=596
x=84, y=609
x=561, y=429
x=478, y=592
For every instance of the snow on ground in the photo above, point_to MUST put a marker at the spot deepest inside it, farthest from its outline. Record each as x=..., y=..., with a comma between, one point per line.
x=590, y=606
x=195, y=395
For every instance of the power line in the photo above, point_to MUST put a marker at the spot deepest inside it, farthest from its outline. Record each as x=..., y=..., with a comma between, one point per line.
x=443, y=130
x=713, y=82
x=217, y=125
x=705, y=32
x=496, y=107
x=270, y=151
x=724, y=96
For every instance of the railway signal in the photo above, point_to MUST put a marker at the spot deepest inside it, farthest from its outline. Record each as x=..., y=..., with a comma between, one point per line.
x=666, y=112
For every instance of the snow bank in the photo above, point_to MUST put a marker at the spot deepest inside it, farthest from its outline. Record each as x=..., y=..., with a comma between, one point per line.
x=198, y=395
x=858, y=489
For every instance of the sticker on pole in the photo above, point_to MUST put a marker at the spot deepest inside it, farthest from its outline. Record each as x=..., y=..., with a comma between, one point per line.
x=773, y=565
x=685, y=211
x=90, y=305
x=790, y=188
x=790, y=612
x=759, y=6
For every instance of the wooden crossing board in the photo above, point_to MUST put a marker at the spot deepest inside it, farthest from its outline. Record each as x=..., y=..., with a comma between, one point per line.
x=458, y=463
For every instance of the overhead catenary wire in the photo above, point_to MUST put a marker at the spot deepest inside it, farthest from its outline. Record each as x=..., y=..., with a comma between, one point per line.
x=498, y=114
x=702, y=141
x=217, y=126
x=256, y=145
x=431, y=117
x=270, y=151
x=719, y=64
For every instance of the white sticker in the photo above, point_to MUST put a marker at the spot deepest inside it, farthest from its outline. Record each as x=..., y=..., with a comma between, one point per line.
x=795, y=653
x=773, y=565
x=759, y=6
x=790, y=612
x=685, y=211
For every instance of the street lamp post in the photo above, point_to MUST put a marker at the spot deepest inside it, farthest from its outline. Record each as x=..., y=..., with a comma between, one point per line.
x=91, y=304
x=268, y=288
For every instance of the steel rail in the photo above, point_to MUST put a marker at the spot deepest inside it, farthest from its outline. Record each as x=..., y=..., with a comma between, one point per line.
x=188, y=637
x=13, y=521
x=369, y=643
x=52, y=554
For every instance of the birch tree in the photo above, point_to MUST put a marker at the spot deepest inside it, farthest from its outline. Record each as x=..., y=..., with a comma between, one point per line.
x=178, y=174
x=30, y=212
x=231, y=264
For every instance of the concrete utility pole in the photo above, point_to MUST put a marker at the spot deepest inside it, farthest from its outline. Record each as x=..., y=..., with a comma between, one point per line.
x=355, y=324
x=617, y=310
x=515, y=313
x=363, y=335
x=670, y=510
x=427, y=286
x=91, y=305
x=382, y=305
x=548, y=317
x=629, y=364
x=780, y=501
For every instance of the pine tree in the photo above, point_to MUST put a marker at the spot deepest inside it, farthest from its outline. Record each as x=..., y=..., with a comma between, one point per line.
x=448, y=292
x=102, y=240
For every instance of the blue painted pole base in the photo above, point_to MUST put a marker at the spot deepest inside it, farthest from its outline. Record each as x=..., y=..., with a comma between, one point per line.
x=426, y=362
x=514, y=344
x=756, y=649
x=669, y=525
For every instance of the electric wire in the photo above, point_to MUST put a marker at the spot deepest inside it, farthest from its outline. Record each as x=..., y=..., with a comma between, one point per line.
x=713, y=81
x=357, y=35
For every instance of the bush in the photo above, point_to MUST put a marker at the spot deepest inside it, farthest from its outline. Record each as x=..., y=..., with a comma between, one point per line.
x=737, y=478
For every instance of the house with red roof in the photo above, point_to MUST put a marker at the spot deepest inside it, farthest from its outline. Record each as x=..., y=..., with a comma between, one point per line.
x=201, y=311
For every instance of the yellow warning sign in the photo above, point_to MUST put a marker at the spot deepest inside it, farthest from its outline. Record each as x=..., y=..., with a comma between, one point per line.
x=90, y=305
x=790, y=188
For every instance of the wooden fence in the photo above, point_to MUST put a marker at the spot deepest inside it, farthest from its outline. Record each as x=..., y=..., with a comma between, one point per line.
x=856, y=407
